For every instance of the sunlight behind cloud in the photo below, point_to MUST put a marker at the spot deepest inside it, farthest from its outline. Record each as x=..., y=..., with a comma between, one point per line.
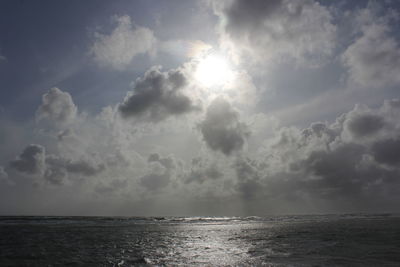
x=213, y=70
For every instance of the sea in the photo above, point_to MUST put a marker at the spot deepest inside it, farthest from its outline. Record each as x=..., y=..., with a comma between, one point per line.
x=295, y=240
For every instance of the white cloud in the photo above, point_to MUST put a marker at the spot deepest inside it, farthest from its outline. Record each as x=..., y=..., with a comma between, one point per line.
x=373, y=59
x=118, y=49
x=276, y=30
x=57, y=106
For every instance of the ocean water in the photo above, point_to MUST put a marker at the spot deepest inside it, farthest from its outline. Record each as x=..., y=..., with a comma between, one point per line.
x=312, y=240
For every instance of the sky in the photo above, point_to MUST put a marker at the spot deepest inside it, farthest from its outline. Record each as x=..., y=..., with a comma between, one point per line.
x=199, y=108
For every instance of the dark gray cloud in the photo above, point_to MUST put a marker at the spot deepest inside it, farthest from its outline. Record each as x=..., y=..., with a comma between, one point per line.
x=221, y=129
x=157, y=96
x=59, y=168
x=31, y=160
x=365, y=124
x=57, y=106
x=53, y=168
x=243, y=15
x=319, y=162
x=83, y=167
x=387, y=151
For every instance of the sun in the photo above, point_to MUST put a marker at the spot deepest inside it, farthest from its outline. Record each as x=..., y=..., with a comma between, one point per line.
x=213, y=70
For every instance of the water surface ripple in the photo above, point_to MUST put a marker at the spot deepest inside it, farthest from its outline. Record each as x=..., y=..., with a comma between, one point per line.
x=312, y=240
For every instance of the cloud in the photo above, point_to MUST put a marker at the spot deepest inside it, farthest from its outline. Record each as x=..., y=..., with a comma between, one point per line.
x=57, y=106
x=3, y=174
x=202, y=170
x=65, y=134
x=159, y=172
x=31, y=160
x=157, y=96
x=155, y=181
x=322, y=162
x=118, y=49
x=59, y=168
x=362, y=123
x=56, y=172
x=113, y=186
x=248, y=175
x=221, y=129
x=373, y=58
x=53, y=168
x=265, y=30
x=387, y=151
x=167, y=162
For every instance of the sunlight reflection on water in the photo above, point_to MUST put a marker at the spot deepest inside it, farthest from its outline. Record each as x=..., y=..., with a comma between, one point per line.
x=283, y=241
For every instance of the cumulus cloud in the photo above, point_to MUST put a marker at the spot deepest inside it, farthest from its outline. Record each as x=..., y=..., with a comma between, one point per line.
x=31, y=160
x=278, y=29
x=322, y=161
x=118, y=49
x=221, y=129
x=57, y=106
x=53, y=168
x=157, y=96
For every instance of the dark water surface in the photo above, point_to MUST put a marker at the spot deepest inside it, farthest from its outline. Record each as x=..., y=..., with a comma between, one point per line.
x=323, y=240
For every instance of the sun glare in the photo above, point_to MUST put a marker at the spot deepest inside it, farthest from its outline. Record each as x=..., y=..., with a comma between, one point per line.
x=213, y=70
